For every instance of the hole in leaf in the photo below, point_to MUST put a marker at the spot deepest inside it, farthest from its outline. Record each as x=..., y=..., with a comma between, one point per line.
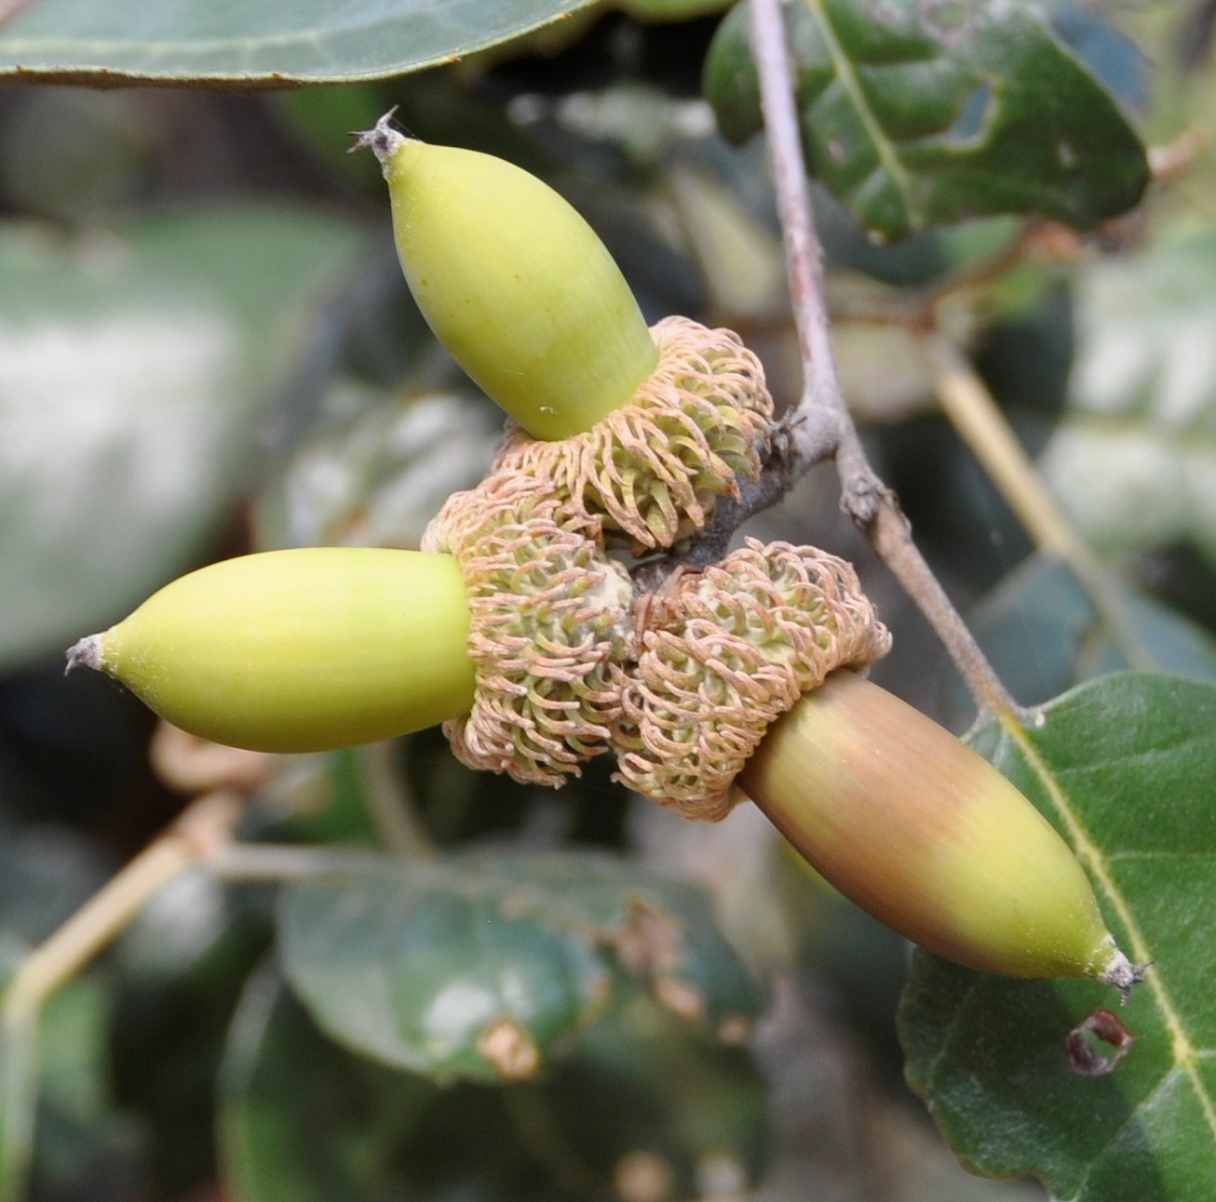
x=1087, y=1043
x=947, y=22
x=972, y=119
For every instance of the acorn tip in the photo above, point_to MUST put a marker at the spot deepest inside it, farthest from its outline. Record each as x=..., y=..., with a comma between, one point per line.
x=86, y=653
x=1123, y=975
x=382, y=139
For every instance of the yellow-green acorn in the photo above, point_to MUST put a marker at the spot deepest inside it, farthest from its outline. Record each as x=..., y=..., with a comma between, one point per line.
x=743, y=685
x=918, y=829
x=514, y=283
x=299, y=650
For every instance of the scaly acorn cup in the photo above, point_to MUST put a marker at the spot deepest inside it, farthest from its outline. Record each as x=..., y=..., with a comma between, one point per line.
x=299, y=650
x=742, y=688
x=551, y=614
x=653, y=470
x=514, y=283
x=644, y=429
x=722, y=653
x=925, y=834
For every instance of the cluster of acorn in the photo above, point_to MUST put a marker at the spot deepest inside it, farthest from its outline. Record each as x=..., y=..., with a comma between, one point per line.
x=519, y=627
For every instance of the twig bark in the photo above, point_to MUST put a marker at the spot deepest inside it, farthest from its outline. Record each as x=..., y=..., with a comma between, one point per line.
x=207, y=822
x=820, y=426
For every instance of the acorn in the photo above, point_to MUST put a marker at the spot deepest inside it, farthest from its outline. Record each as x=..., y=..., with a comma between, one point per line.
x=641, y=429
x=298, y=650
x=918, y=829
x=515, y=283
x=745, y=686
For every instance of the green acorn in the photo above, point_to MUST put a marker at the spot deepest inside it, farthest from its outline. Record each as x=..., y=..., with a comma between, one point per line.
x=641, y=429
x=298, y=650
x=514, y=283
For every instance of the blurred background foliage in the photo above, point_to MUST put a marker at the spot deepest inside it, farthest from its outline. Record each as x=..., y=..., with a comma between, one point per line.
x=206, y=347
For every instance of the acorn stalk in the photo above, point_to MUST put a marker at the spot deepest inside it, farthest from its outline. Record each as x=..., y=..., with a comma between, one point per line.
x=916, y=828
x=515, y=283
x=298, y=650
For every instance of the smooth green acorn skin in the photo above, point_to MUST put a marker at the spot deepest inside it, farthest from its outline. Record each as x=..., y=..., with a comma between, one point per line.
x=921, y=831
x=300, y=650
x=516, y=285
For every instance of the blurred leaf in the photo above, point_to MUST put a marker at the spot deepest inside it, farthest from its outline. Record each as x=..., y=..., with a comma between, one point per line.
x=485, y=966
x=301, y=1118
x=81, y=1135
x=645, y=1099
x=915, y=115
x=1126, y=767
x=376, y=468
x=1042, y=634
x=18, y=1079
x=739, y=256
x=132, y=375
x=1135, y=459
x=252, y=42
x=181, y=968
x=76, y=157
x=671, y=10
x=46, y=873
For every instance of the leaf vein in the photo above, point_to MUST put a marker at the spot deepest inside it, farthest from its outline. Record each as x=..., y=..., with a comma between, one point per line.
x=851, y=85
x=1097, y=864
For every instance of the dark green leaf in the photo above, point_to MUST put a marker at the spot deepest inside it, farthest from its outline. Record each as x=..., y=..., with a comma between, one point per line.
x=921, y=114
x=301, y=1118
x=252, y=42
x=1126, y=768
x=645, y=1091
x=487, y=965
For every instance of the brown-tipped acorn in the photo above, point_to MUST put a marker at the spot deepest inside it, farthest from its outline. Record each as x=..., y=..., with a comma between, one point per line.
x=299, y=650
x=918, y=829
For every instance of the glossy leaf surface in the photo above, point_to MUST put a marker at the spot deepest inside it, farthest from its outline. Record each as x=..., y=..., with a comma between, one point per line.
x=256, y=42
x=488, y=965
x=642, y=1086
x=921, y=114
x=1125, y=766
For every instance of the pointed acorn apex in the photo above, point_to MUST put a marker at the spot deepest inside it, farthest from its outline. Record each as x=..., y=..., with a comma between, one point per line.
x=915, y=827
x=299, y=650
x=514, y=283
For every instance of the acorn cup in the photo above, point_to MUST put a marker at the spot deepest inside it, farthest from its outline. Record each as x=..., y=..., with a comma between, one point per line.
x=298, y=650
x=744, y=686
x=642, y=429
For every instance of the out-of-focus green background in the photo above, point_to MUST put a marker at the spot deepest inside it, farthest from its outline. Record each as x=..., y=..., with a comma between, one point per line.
x=206, y=348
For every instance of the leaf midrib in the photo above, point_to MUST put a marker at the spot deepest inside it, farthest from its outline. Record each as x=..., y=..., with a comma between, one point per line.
x=1183, y=1049
x=843, y=67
